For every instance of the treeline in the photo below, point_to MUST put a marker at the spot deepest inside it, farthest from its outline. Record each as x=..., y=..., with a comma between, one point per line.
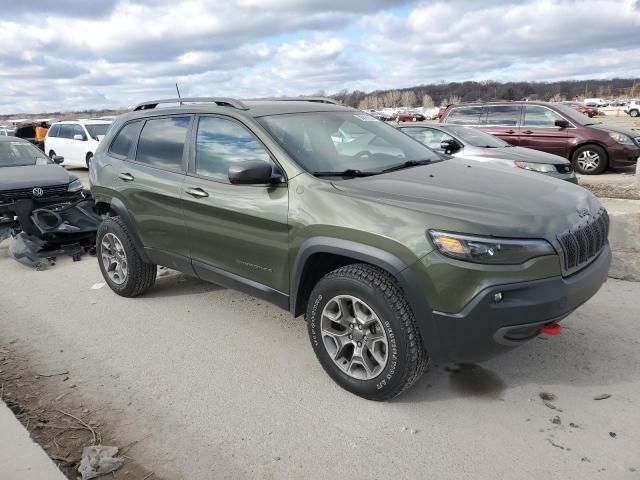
x=455, y=92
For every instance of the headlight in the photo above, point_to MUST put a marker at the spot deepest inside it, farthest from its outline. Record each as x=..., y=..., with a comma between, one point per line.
x=620, y=138
x=537, y=167
x=75, y=186
x=497, y=251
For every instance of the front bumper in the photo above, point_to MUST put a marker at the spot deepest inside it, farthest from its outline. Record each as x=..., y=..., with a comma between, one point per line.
x=485, y=328
x=623, y=155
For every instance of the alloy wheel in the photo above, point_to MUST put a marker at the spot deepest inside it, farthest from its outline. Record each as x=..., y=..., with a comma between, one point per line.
x=354, y=337
x=588, y=160
x=114, y=258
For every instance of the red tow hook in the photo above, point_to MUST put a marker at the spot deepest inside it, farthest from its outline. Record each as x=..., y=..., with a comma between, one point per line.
x=551, y=329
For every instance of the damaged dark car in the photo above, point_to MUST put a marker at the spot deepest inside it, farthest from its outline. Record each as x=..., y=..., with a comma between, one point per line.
x=42, y=206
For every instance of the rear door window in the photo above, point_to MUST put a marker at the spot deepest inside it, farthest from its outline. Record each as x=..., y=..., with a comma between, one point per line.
x=66, y=131
x=465, y=115
x=540, y=117
x=123, y=142
x=162, y=142
x=507, y=115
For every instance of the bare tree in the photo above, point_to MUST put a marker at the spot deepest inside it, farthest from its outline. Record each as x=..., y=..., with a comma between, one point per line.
x=453, y=100
x=408, y=98
x=427, y=101
x=557, y=98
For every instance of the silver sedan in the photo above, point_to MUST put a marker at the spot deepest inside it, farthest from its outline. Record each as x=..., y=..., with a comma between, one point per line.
x=473, y=144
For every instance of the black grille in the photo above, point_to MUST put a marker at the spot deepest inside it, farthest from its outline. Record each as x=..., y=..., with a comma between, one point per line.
x=28, y=192
x=583, y=244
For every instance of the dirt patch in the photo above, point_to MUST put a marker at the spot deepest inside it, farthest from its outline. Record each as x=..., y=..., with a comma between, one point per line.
x=61, y=425
x=604, y=190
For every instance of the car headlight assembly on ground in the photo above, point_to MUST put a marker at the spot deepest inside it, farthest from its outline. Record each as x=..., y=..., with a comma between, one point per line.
x=537, y=167
x=75, y=186
x=496, y=251
x=621, y=139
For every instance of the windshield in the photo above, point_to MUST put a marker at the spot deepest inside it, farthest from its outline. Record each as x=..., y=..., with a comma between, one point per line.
x=338, y=141
x=15, y=154
x=574, y=115
x=477, y=138
x=96, y=129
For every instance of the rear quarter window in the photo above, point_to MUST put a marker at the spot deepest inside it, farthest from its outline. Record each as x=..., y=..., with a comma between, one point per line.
x=465, y=115
x=123, y=141
x=53, y=131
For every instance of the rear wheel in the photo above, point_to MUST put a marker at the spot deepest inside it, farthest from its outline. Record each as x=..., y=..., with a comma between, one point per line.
x=634, y=113
x=120, y=263
x=364, y=333
x=590, y=160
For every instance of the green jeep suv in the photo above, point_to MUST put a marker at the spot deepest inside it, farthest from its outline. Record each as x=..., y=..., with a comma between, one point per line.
x=395, y=255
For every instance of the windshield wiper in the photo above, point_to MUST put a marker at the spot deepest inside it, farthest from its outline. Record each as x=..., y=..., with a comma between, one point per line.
x=407, y=164
x=349, y=172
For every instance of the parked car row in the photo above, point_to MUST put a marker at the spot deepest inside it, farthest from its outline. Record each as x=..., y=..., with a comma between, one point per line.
x=76, y=141
x=553, y=128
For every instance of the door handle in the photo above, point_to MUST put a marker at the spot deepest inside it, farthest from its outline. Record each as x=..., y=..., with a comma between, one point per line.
x=127, y=177
x=197, y=192
x=510, y=131
x=528, y=132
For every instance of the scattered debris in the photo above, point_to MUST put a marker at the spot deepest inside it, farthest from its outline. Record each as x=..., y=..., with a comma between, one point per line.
x=585, y=459
x=612, y=434
x=604, y=396
x=549, y=397
x=97, y=286
x=414, y=431
x=277, y=459
x=98, y=460
x=574, y=425
x=557, y=445
x=552, y=406
x=64, y=372
x=556, y=420
x=404, y=428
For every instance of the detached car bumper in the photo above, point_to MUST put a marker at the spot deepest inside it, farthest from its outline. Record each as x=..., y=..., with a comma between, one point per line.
x=487, y=327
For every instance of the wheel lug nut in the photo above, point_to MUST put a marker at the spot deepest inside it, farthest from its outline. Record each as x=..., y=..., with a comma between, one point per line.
x=359, y=344
x=359, y=327
x=351, y=326
x=350, y=337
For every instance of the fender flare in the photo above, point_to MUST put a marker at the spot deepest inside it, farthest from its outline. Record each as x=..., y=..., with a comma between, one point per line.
x=408, y=279
x=118, y=208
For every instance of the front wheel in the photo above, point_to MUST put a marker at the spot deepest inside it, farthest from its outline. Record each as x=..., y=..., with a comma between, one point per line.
x=634, y=113
x=364, y=333
x=120, y=263
x=590, y=160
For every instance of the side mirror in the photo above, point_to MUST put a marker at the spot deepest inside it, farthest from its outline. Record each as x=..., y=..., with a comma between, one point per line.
x=58, y=159
x=253, y=172
x=450, y=146
x=79, y=137
x=562, y=123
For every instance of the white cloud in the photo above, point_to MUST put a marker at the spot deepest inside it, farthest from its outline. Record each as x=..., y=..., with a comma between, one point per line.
x=69, y=54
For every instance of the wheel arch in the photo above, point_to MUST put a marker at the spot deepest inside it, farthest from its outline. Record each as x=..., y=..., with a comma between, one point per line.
x=318, y=256
x=117, y=208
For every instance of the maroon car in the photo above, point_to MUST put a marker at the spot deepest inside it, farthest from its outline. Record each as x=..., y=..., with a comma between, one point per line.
x=551, y=127
x=409, y=117
x=588, y=111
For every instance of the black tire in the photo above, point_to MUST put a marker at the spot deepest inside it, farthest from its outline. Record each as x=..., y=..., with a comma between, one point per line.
x=602, y=164
x=407, y=359
x=141, y=276
x=634, y=113
x=89, y=157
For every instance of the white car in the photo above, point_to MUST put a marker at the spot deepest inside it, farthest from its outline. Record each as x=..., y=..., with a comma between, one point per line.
x=633, y=108
x=75, y=140
x=595, y=102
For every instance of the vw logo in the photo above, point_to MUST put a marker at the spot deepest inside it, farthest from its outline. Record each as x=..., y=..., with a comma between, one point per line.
x=37, y=192
x=583, y=212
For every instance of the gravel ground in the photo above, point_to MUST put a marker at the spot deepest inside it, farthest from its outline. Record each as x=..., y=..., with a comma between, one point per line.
x=216, y=384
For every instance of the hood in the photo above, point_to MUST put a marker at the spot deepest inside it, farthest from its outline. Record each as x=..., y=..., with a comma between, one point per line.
x=13, y=178
x=624, y=131
x=480, y=199
x=514, y=154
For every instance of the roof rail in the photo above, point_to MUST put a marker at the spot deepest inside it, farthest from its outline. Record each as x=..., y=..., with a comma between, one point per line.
x=220, y=101
x=301, y=99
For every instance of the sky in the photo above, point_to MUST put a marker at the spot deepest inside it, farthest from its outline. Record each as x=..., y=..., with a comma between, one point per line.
x=76, y=54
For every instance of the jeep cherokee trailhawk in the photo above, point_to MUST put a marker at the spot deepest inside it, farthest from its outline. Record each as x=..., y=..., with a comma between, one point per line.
x=395, y=255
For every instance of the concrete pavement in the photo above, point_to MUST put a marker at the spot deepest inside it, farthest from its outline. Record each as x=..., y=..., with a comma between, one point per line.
x=20, y=458
x=216, y=384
